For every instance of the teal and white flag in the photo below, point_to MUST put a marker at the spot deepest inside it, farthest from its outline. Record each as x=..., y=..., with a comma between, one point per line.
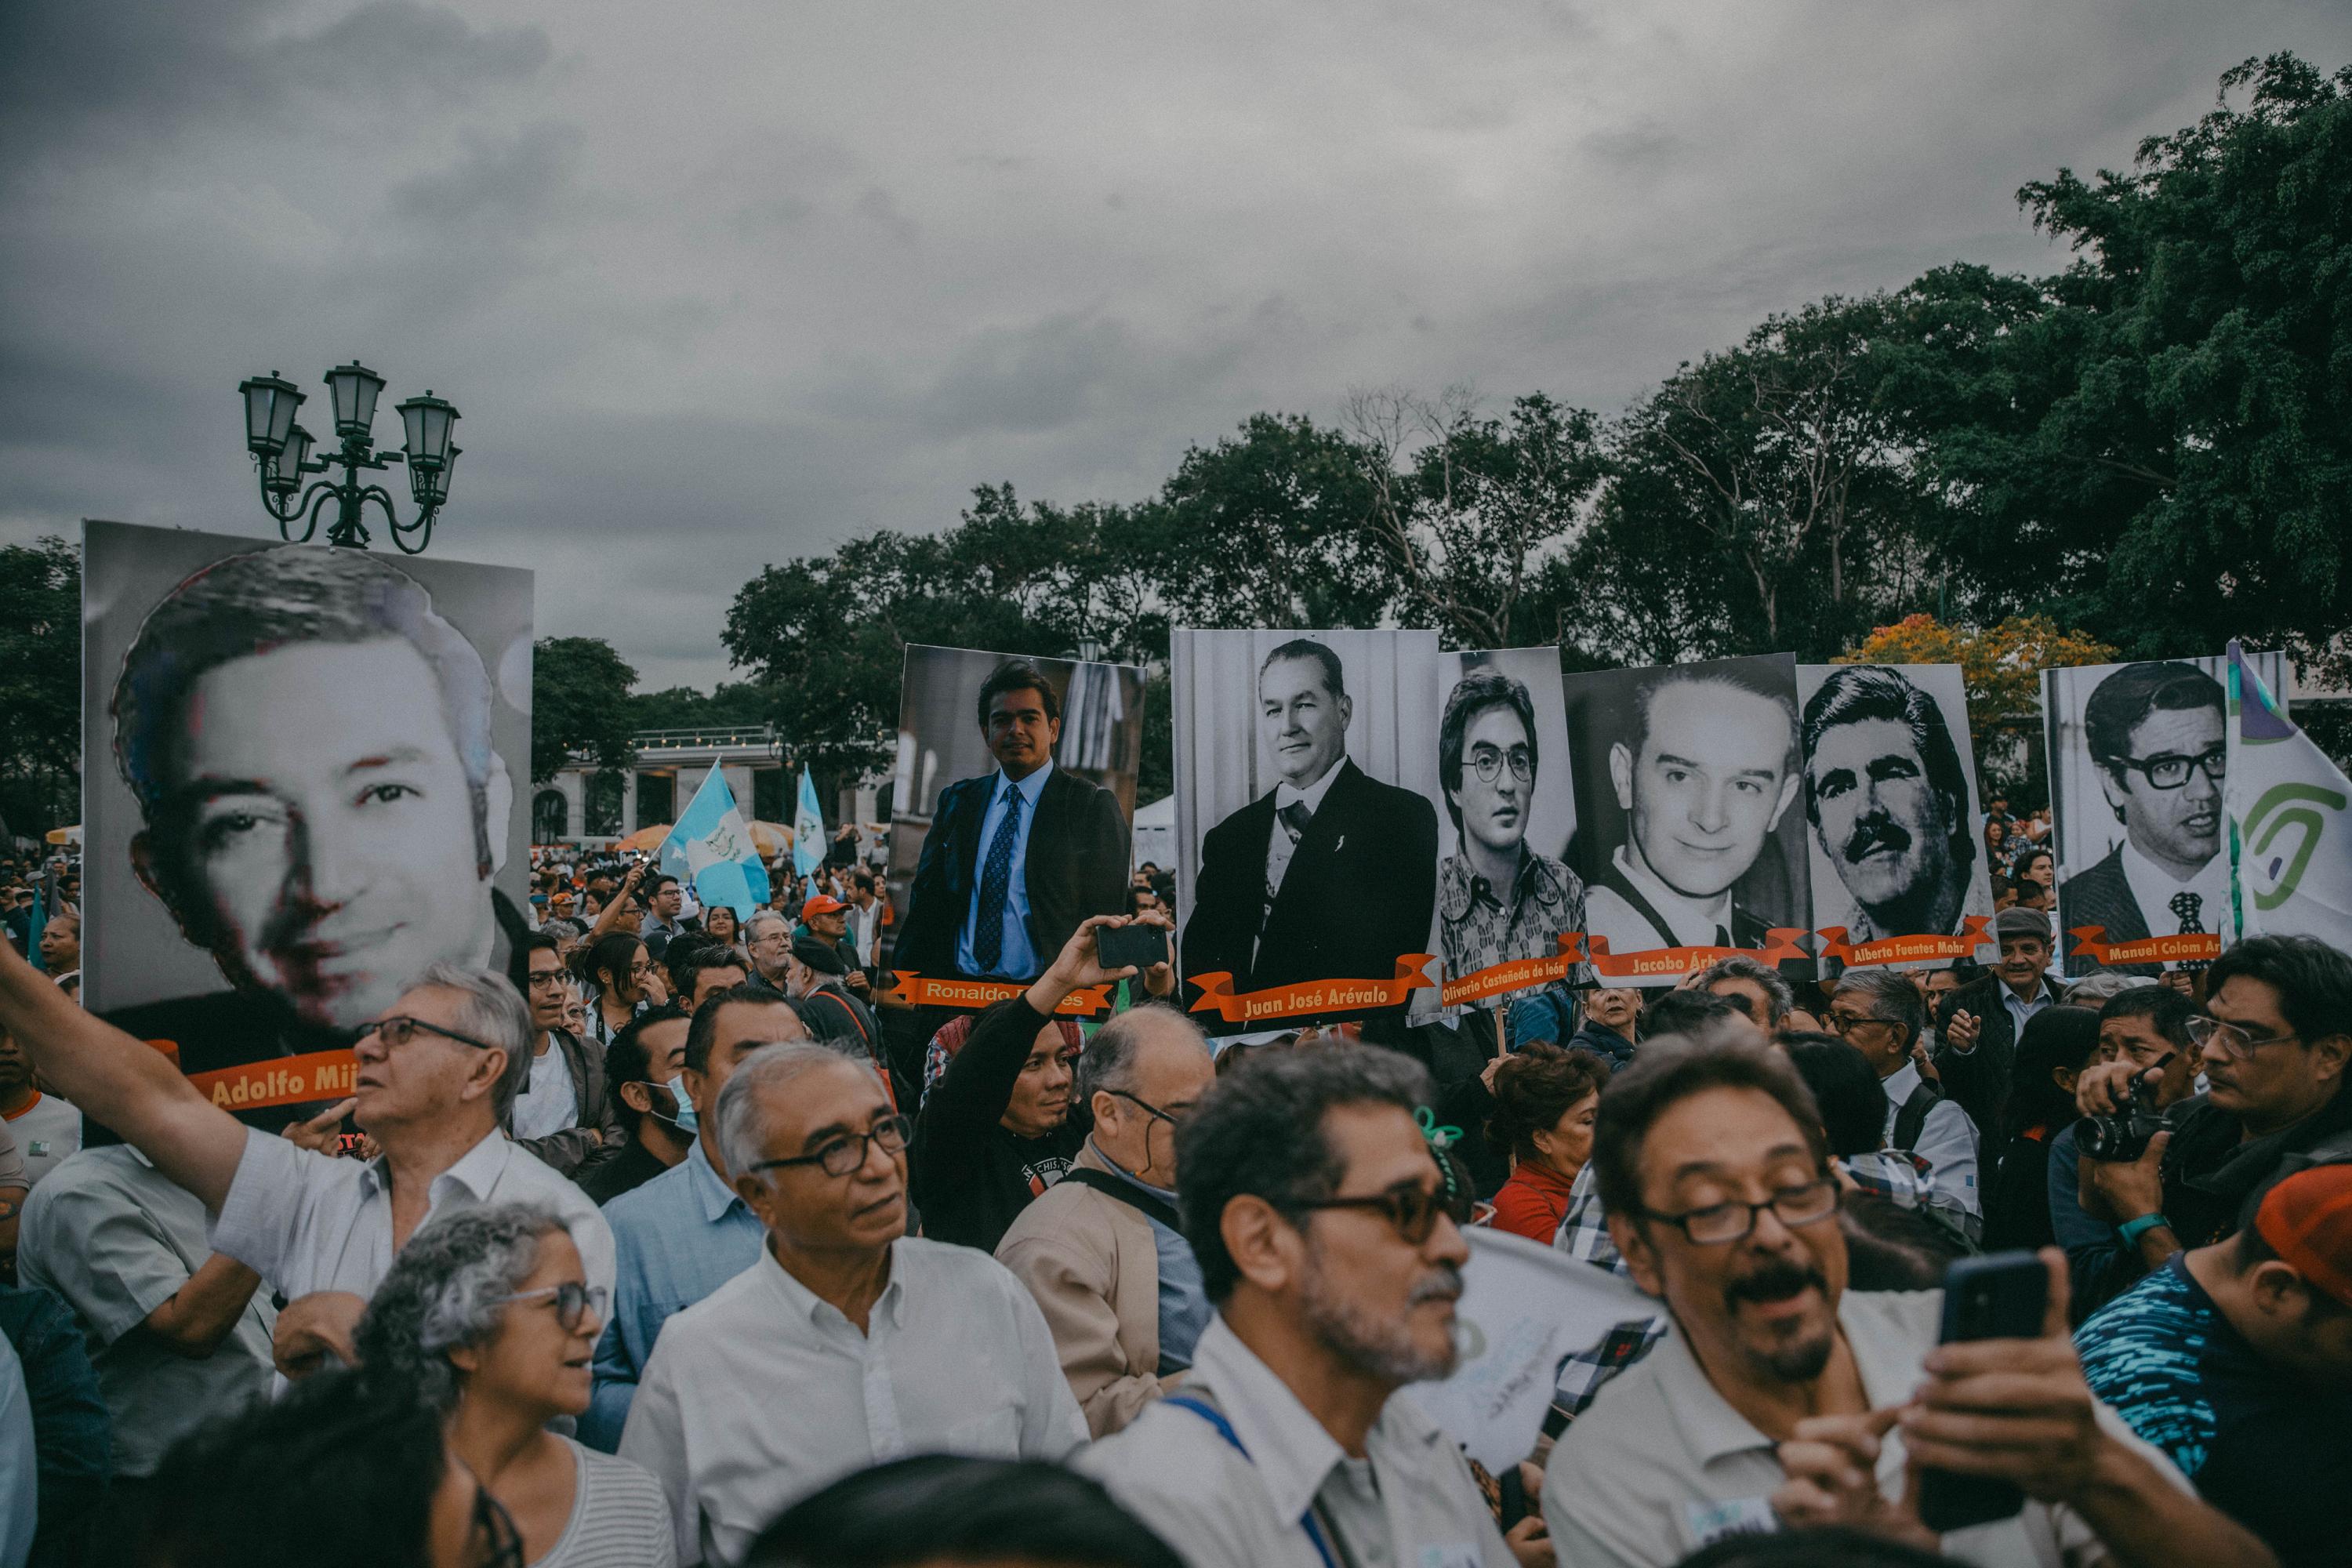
x=808, y=830
x=712, y=849
x=2291, y=819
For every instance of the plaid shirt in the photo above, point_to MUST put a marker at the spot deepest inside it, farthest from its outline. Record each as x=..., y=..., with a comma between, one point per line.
x=1584, y=1234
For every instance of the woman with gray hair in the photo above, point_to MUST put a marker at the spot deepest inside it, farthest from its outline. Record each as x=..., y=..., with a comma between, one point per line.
x=490, y=1314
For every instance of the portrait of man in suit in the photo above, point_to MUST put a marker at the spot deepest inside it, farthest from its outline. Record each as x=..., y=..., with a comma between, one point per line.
x=1331, y=875
x=2156, y=736
x=1017, y=859
x=1887, y=797
x=1704, y=780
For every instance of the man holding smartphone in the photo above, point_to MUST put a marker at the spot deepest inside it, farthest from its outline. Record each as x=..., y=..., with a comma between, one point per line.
x=1781, y=1398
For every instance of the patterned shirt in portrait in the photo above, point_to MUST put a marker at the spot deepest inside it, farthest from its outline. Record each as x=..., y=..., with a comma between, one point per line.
x=1479, y=930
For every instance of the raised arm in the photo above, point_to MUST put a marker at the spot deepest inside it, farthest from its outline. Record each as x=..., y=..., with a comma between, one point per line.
x=120, y=1083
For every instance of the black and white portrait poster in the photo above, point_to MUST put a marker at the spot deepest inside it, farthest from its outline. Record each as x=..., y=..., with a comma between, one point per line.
x=1307, y=822
x=1892, y=811
x=299, y=778
x=1011, y=804
x=1689, y=825
x=2137, y=756
x=1510, y=913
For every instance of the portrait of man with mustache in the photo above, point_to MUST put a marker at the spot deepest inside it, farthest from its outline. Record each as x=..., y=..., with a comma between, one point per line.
x=1887, y=797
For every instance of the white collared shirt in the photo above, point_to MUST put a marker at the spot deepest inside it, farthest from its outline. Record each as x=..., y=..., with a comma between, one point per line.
x=1947, y=1141
x=761, y=1393
x=308, y=1222
x=1279, y=845
x=2153, y=886
x=1409, y=1503
x=1694, y=921
x=1662, y=1464
x=2020, y=1011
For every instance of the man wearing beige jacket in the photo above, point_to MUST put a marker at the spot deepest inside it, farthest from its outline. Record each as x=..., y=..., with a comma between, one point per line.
x=1101, y=1251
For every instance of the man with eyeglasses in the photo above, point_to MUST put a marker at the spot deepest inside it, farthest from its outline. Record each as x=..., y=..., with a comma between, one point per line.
x=846, y=1342
x=1497, y=899
x=1780, y=1397
x=1329, y=1242
x=1104, y=1251
x=1879, y=1012
x=686, y=1232
x=435, y=1076
x=2273, y=1048
x=563, y=1114
x=2155, y=735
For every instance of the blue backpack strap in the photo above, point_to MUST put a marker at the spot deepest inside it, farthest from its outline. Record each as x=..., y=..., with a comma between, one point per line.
x=1225, y=1428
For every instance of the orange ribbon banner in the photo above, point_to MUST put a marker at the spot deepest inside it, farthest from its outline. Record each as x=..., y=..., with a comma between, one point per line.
x=1313, y=996
x=280, y=1080
x=2189, y=947
x=1519, y=974
x=1974, y=934
x=926, y=991
x=1673, y=963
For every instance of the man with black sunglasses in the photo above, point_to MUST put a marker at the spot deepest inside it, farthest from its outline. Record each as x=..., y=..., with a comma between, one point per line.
x=434, y=1076
x=1781, y=1398
x=1104, y=1251
x=1328, y=1239
x=847, y=1343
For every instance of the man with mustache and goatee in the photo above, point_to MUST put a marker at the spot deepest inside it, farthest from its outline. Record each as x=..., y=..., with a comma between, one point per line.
x=1887, y=797
x=1329, y=1240
x=1781, y=1398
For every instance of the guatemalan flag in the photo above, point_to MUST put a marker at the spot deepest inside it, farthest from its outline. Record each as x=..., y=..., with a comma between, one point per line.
x=808, y=830
x=711, y=848
x=2291, y=814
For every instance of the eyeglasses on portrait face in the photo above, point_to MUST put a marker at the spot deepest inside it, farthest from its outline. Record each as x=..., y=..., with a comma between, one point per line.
x=2170, y=770
x=1409, y=1207
x=1717, y=1225
x=572, y=1299
x=845, y=1153
x=396, y=1032
x=1487, y=763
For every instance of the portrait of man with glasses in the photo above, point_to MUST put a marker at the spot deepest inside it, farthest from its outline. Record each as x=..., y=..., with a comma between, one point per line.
x=2155, y=732
x=1497, y=899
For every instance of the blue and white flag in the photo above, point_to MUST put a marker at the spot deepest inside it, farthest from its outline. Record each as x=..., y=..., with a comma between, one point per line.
x=2291, y=815
x=808, y=830
x=712, y=849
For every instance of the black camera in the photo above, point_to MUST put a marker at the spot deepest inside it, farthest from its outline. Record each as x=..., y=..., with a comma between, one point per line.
x=2122, y=1136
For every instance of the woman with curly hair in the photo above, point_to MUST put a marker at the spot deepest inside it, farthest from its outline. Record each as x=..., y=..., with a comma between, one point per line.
x=1544, y=1098
x=489, y=1313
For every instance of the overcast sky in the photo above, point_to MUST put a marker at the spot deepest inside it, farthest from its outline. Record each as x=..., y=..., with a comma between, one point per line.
x=715, y=285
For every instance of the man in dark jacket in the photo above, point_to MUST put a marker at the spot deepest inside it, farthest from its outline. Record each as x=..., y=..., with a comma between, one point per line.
x=566, y=1083
x=1016, y=859
x=1330, y=875
x=1979, y=1025
x=1002, y=1125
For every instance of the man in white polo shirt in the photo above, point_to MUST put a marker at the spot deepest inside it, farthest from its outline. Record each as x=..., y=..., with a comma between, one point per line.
x=1780, y=1397
x=849, y=1343
x=435, y=1073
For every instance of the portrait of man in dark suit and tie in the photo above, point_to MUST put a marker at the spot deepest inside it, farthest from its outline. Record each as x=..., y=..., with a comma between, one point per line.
x=2156, y=736
x=1015, y=860
x=1330, y=875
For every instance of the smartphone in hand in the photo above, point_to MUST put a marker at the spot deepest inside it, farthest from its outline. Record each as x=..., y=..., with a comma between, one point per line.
x=2000, y=1296
x=1141, y=945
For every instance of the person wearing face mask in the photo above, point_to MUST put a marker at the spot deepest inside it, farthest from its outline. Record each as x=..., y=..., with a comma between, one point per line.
x=684, y=1233
x=491, y=1318
x=999, y=1127
x=1104, y=1251
x=645, y=1074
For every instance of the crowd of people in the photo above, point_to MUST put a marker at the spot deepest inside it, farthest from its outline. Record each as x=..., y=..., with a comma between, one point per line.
x=682, y=1240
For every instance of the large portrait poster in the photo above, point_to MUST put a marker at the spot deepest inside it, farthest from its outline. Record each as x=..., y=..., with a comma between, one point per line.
x=1890, y=807
x=298, y=775
x=1510, y=913
x=1689, y=830
x=2138, y=756
x=1011, y=804
x=1307, y=822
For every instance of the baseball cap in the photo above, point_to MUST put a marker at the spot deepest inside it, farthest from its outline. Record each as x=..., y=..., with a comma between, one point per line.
x=2307, y=1219
x=822, y=904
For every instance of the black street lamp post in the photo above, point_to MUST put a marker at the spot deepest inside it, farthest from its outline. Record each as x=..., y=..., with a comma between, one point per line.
x=281, y=450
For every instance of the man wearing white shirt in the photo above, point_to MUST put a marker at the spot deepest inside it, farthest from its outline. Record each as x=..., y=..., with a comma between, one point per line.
x=848, y=1343
x=1879, y=1012
x=435, y=1074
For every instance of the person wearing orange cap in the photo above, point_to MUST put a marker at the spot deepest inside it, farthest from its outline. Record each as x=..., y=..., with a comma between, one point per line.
x=2236, y=1359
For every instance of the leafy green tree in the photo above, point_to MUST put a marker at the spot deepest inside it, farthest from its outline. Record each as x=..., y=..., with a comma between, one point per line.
x=578, y=702
x=40, y=685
